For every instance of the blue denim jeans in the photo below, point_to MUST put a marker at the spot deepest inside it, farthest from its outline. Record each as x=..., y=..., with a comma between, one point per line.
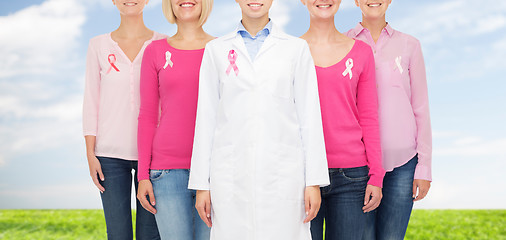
x=390, y=219
x=176, y=215
x=116, y=201
x=341, y=206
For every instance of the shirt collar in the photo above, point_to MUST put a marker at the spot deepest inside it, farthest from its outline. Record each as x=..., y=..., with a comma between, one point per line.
x=265, y=31
x=359, y=28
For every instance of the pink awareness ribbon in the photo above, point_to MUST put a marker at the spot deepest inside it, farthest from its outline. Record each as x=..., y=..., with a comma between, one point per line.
x=112, y=59
x=349, y=66
x=232, y=57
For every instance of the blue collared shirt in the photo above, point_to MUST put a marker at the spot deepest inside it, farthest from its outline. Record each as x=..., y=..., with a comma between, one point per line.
x=253, y=44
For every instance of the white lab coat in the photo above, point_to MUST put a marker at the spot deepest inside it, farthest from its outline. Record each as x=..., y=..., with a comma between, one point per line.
x=258, y=138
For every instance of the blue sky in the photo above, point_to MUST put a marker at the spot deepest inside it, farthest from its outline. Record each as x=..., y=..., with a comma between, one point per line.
x=43, y=47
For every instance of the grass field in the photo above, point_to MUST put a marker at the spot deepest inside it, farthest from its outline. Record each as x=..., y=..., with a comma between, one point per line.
x=90, y=224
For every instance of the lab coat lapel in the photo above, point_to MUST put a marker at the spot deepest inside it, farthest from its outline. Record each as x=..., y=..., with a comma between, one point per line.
x=238, y=43
x=274, y=38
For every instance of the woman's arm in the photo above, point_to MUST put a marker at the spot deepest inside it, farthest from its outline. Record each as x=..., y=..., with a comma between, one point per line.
x=90, y=113
x=420, y=104
x=205, y=124
x=148, y=120
x=367, y=105
x=307, y=104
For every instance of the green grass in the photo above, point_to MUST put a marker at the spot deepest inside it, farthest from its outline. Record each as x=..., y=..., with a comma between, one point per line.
x=90, y=224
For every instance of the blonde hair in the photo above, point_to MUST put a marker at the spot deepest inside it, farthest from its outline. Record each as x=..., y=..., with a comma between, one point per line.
x=207, y=6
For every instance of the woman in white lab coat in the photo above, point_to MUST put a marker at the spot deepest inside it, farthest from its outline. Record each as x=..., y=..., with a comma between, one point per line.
x=259, y=153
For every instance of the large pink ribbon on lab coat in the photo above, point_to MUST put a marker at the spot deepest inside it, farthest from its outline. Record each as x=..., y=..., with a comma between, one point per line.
x=232, y=57
x=112, y=59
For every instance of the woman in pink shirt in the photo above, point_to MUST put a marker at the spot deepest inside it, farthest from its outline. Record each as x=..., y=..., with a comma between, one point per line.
x=110, y=110
x=349, y=107
x=169, y=86
x=404, y=120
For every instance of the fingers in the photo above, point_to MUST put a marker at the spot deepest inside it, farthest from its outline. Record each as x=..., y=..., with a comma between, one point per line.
x=144, y=190
x=422, y=192
x=367, y=196
x=208, y=213
x=96, y=172
x=203, y=206
x=312, y=212
x=372, y=197
x=312, y=201
x=94, y=176
x=423, y=187
x=415, y=188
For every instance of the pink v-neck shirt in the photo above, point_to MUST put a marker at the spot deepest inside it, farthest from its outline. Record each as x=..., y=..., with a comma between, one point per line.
x=170, y=80
x=111, y=97
x=349, y=106
x=403, y=99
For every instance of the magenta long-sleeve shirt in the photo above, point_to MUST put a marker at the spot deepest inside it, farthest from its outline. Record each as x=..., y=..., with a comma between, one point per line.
x=169, y=89
x=349, y=107
x=403, y=99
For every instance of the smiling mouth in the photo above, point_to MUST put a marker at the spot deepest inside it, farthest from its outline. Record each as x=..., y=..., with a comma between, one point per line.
x=187, y=5
x=255, y=4
x=374, y=4
x=324, y=6
x=129, y=4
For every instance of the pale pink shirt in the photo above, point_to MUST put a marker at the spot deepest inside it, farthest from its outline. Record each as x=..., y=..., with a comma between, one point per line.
x=111, y=97
x=404, y=118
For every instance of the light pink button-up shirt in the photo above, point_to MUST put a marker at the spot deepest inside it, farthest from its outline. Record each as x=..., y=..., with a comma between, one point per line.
x=111, y=97
x=404, y=118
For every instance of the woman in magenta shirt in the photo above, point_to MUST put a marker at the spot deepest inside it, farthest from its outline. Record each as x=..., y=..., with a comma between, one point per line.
x=110, y=110
x=349, y=107
x=169, y=89
x=404, y=119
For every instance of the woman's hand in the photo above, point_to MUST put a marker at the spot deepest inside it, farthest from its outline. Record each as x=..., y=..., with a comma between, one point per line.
x=372, y=198
x=422, y=186
x=96, y=172
x=146, y=189
x=203, y=206
x=312, y=201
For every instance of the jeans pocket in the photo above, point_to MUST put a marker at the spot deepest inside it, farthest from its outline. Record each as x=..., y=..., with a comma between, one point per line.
x=356, y=174
x=156, y=174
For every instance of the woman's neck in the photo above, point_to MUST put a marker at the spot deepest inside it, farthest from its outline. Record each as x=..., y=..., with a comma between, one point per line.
x=322, y=31
x=254, y=25
x=375, y=26
x=132, y=27
x=189, y=31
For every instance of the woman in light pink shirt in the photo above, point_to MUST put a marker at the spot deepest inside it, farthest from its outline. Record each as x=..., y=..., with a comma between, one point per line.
x=169, y=82
x=404, y=120
x=349, y=108
x=110, y=110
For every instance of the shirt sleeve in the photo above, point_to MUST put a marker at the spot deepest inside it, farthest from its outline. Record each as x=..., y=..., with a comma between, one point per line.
x=420, y=105
x=205, y=123
x=367, y=105
x=148, y=112
x=307, y=104
x=91, y=92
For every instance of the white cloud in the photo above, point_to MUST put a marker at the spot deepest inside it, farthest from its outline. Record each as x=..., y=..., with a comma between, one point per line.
x=473, y=146
x=444, y=21
x=39, y=39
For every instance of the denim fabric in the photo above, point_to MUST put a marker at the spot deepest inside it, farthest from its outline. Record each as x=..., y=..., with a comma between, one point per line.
x=342, y=203
x=390, y=219
x=116, y=201
x=176, y=215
